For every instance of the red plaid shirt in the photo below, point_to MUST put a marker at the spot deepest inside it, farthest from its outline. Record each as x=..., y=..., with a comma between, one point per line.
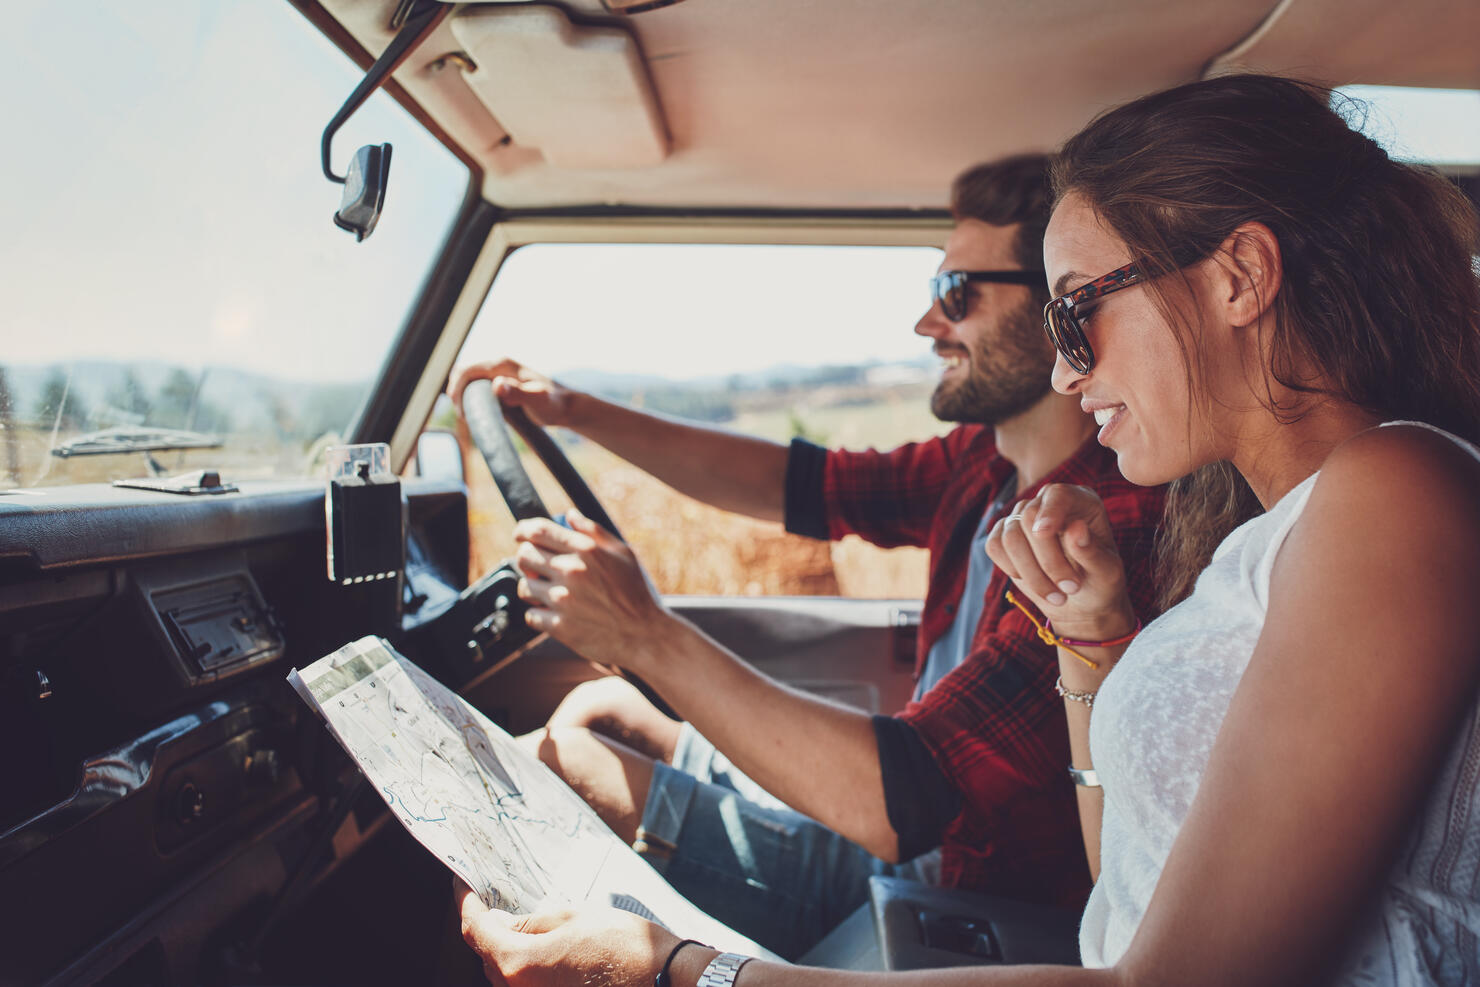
x=994, y=724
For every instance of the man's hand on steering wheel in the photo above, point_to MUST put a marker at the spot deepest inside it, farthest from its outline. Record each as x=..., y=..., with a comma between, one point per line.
x=485, y=415
x=587, y=590
x=547, y=402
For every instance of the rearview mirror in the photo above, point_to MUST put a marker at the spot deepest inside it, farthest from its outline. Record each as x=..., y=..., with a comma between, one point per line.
x=364, y=190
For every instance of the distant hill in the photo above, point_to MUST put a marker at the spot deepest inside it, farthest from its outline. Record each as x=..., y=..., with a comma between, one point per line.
x=778, y=376
x=111, y=392
x=101, y=393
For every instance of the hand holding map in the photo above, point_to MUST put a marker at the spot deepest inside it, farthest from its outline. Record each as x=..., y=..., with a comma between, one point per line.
x=493, y=813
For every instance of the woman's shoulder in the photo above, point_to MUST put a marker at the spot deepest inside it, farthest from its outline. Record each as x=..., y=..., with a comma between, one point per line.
x=1404, y=458
x=1421, y=479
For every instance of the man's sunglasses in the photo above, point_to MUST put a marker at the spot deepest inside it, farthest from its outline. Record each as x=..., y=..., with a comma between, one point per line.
x=1061, y=317
x=949, y=287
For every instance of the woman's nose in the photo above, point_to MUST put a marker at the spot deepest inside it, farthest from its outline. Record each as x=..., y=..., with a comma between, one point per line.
x=1066, y=380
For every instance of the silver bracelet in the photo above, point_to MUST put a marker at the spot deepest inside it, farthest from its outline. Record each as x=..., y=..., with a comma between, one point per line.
x=722, y=970
x=1085, y=777
x=1087, y=698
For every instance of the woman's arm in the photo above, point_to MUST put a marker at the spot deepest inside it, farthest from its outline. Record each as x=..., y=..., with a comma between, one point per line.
x=1059, y=550
x=617, y=949
x=1366, y=664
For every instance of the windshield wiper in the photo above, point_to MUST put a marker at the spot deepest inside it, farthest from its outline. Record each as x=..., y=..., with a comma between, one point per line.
x=135, y=438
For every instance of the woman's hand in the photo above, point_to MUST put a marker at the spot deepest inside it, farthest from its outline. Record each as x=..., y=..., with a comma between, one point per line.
x=1059, y=551
x=587, y=590
x=600, y=947
x=516, y=386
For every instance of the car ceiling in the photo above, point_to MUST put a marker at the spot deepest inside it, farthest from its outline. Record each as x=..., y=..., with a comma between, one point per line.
x=868, y=104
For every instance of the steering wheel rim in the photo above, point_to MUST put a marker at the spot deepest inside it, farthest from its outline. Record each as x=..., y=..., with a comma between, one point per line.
x=485, y=416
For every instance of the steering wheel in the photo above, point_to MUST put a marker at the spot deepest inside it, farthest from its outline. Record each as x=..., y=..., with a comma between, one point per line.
x=485, y=417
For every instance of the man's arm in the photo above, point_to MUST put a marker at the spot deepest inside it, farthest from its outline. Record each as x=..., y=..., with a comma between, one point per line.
x=821, y=759
x=731, y=471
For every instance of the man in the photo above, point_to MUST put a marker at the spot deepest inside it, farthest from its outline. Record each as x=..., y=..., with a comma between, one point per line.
x=770, y=808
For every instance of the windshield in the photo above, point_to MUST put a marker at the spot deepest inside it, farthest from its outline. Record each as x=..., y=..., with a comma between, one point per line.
x=177, y=296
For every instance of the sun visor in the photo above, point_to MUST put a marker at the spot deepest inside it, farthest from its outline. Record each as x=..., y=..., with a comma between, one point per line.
x=1428, y=43
x=580, y=95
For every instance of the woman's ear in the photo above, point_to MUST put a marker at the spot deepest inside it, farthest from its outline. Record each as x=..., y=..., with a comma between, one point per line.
x=1251, y=273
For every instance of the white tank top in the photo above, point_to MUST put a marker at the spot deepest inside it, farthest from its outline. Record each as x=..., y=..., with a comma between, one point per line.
x=1153, y=728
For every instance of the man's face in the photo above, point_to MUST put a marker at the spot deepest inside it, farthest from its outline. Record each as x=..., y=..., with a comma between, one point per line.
x=997, y=360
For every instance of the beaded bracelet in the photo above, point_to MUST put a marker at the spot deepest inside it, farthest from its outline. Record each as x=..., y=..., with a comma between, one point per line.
x=1047, y=636
x=1086, y=698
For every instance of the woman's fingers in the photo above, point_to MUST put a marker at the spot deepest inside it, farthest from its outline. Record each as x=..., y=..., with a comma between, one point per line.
x=1056, y=544
x=485, y=930
x=1043, y=525
x=555, y=948
x=549, y=921
x=1028, y=556
x=1096, y=554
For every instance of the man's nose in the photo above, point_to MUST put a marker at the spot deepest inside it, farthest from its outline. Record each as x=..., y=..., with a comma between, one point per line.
x=933, y=323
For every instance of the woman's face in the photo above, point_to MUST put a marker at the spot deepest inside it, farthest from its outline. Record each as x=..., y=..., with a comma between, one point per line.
x=1138, y=390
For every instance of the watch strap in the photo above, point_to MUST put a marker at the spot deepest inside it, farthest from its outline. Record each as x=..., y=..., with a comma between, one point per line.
x=722, y=970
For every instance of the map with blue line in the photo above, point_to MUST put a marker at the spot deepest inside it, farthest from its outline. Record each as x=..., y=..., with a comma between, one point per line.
x=486, y=807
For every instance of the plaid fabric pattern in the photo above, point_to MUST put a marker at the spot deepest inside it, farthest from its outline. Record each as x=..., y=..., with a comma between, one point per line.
x=994, y=724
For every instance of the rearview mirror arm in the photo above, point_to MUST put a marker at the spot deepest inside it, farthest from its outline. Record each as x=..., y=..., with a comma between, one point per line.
x=424, y=16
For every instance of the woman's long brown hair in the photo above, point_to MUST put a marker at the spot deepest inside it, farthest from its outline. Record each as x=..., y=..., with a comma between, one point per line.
x=1380, y=290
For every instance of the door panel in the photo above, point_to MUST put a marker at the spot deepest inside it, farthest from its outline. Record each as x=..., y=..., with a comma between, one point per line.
x=859, y=652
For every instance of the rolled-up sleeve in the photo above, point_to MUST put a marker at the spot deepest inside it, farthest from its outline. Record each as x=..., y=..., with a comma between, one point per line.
x=887, y=498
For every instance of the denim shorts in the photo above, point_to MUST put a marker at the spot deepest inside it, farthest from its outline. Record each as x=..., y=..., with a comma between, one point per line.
x=747, y=859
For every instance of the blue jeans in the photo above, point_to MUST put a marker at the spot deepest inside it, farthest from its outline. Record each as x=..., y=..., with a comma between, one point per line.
x=746, y=858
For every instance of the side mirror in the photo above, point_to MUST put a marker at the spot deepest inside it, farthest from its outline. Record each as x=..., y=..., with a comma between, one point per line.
x=364, y=190
x=439, y=457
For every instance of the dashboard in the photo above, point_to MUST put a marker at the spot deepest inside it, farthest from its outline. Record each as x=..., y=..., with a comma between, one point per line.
x=167, y=798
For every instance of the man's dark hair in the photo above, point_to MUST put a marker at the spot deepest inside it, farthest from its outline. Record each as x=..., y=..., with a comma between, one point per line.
x=1009, y=192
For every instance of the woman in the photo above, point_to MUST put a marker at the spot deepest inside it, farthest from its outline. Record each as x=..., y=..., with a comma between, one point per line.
x=1290, y=758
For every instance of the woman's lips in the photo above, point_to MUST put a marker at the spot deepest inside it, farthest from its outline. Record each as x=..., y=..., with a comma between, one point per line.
x=1108, y=419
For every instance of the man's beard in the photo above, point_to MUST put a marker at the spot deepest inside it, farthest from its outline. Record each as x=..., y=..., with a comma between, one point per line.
x=1003, y=379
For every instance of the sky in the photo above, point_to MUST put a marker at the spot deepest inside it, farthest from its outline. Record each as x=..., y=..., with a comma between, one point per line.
x=692, y=311
x=163, y=202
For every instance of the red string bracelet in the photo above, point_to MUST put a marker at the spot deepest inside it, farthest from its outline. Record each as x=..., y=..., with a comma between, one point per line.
x=1047, y=636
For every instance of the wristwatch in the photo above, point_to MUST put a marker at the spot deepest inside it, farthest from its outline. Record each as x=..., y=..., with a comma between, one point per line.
x=722, y=970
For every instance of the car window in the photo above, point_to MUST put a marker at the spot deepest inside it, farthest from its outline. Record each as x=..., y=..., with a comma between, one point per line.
x=170, y=258
x=777, y=341
x=1432, y=126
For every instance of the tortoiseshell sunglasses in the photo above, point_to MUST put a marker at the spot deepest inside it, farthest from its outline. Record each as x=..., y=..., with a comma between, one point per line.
x=1061, y=316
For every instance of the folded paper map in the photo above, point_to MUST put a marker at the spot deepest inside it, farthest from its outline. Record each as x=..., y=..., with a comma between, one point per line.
x=486, y=807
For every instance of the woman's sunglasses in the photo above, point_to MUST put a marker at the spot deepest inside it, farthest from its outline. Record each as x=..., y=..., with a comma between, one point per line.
x=949, y=287
x=1061, y=317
